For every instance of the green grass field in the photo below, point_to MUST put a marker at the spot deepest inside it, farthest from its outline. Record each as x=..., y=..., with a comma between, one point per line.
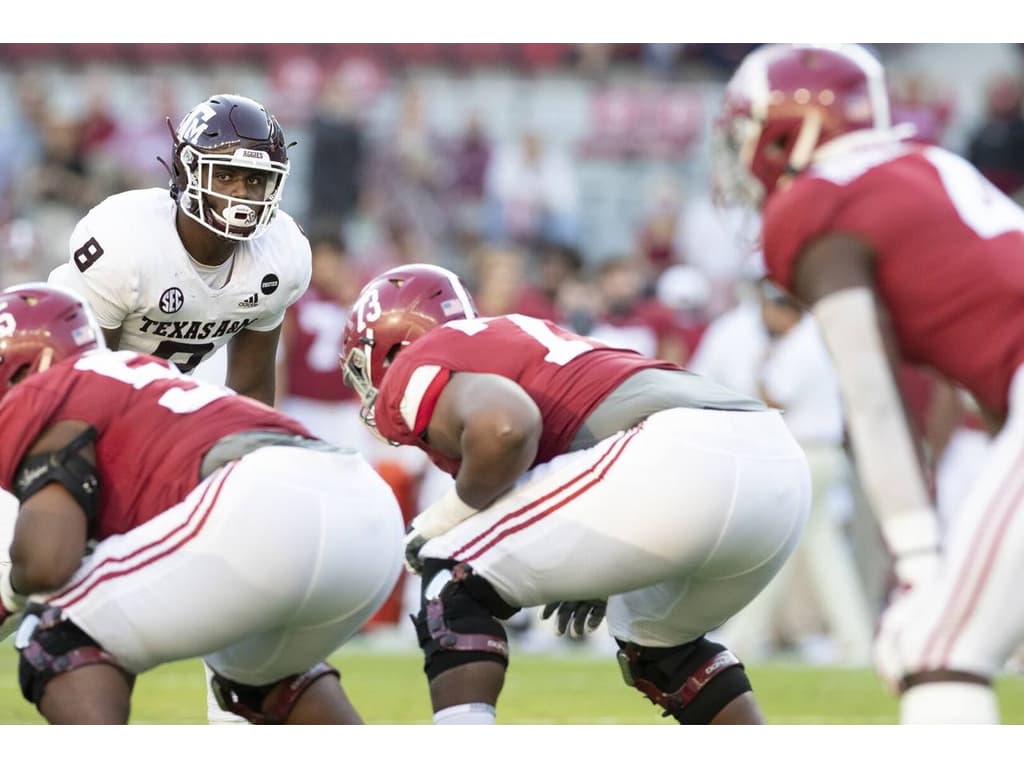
x=574, y=688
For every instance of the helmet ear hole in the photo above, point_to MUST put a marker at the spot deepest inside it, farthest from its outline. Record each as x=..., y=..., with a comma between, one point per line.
x=20, y=373
x=392, y=354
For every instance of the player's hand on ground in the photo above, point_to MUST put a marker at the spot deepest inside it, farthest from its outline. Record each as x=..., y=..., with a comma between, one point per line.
x=439, y=518
x=915, y=568
x=11, y=608
x=414, y=542
x=9, y=621
x=577, y=617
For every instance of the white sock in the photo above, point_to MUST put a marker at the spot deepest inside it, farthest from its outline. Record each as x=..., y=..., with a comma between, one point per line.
x=949, y=702
x=465, y=714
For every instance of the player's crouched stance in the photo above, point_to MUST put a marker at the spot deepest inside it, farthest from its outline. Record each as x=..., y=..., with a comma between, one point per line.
x=221, y=529
x=582, y=473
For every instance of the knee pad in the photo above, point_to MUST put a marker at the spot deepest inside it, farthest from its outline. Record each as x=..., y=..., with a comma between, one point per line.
x=458, y=622
x=692, y=682
x=268, y=704
x=49, y=645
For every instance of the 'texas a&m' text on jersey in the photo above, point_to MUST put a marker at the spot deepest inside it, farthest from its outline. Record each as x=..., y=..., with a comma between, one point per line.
x=128, y=262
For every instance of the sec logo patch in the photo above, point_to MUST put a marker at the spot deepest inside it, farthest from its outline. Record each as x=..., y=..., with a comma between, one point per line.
x=172, y=300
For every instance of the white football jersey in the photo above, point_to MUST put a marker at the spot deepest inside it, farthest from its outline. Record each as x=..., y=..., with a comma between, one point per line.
x=129, y=263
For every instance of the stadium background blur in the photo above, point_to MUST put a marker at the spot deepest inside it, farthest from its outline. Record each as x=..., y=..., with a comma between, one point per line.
x=563, y=180
x=621, y=132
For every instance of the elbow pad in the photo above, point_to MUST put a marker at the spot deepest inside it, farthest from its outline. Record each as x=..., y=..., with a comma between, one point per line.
x=69, y=469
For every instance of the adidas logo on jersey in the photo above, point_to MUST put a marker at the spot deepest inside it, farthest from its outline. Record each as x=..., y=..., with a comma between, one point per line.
x=250, y=301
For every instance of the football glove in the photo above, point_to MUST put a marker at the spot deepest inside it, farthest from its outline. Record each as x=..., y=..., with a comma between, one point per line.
x=440, y=517
x=576, y=617
x=11, y=603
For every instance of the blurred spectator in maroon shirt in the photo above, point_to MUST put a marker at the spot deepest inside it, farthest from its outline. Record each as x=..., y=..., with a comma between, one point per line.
x=470, y=156
x=915, y=101
x=468, y=160
x=687, y=292
x=658, y=233
x=556, y=266
x=98, y=124
x=630, y=319
x=997, y=145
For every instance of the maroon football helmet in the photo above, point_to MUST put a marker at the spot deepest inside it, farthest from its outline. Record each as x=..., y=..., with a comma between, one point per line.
x=233, y=131
x=39, y=326
x=784, y=103
x=392, y=311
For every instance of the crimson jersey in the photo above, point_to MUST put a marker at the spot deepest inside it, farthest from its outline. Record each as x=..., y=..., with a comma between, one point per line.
x=316, y=330
x=566, y=375
x=148, y=448
x=950, y=254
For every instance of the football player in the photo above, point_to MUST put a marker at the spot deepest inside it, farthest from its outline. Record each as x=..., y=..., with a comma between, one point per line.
x=215, y=262
x=585, y=476
x=904, y=252
x=221, y=529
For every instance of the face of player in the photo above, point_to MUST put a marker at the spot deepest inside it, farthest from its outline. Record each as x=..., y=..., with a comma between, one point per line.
x=228, y=181
x=234, y=197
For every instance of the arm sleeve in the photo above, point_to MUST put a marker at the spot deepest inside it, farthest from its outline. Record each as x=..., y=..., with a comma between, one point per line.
x=104, y=277
x=884, y=447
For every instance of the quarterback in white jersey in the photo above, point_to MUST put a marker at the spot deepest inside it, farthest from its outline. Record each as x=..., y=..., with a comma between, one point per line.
x=215, y=262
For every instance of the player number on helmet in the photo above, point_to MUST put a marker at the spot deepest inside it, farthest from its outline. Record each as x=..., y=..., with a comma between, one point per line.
x=368, y=310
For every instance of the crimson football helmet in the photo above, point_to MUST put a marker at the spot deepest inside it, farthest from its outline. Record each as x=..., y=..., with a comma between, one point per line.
x=228, y=130
x=40, y=325
x=784, y=103
x=392, y=311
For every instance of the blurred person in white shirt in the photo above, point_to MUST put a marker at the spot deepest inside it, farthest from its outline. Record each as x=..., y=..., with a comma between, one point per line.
x=796, y=376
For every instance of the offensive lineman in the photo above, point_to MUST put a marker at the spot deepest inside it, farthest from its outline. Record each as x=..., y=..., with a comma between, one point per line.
x=222, y=529
x=582, y=472
x=214, y=263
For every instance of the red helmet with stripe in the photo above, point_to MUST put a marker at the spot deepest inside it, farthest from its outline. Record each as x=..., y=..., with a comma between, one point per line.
x=784, y=103
x=41, y=325
x=392, y=311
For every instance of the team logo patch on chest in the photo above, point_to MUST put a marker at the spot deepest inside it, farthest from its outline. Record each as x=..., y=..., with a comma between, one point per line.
x=269, y=284
x=171, y=300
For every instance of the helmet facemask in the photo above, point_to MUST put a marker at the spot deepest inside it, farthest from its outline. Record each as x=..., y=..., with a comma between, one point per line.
x=732, y=148
x=784, y=104
x=241, y=218
x=356, y=373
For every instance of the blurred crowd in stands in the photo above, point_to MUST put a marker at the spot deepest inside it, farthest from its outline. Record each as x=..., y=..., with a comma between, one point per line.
x=561, y=181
